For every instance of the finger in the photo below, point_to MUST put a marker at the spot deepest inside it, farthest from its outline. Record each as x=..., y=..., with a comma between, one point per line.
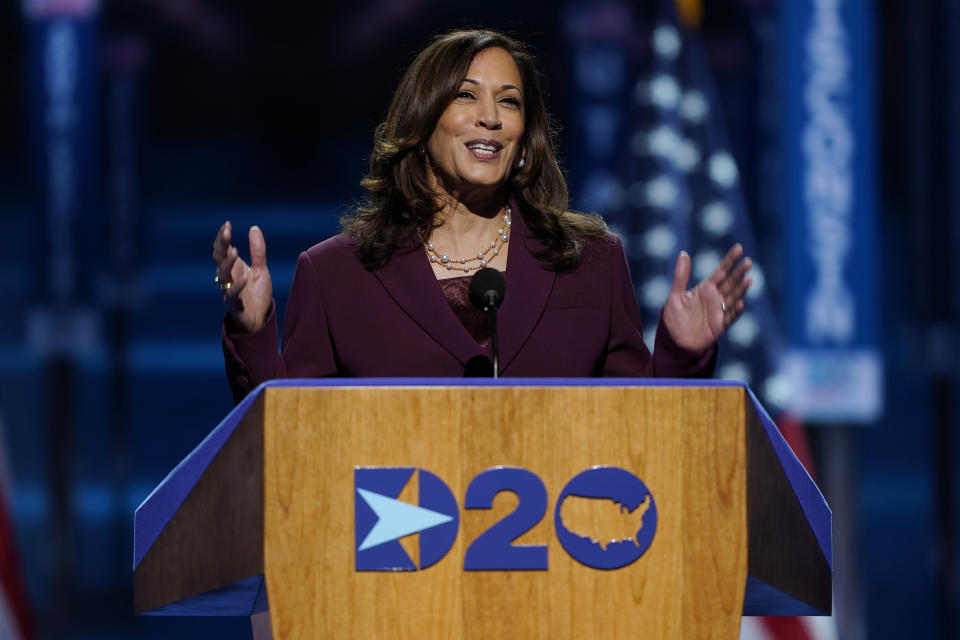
x=723, y=269
x=221, y=243
x=258, y=248
x=735, y=277
x=681, y=274
x=225, y=267
x=734, y=304
x=239, y=271
x=733, y=312
x=736, y=296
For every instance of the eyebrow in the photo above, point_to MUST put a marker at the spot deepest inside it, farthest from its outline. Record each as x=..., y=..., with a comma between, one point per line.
x=503, y=86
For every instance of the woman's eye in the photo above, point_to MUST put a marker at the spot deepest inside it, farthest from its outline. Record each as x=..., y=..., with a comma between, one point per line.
x=465, y=94
x=514, y=102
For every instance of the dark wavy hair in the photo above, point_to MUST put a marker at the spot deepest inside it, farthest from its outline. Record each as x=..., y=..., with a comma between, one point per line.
x=400, y=208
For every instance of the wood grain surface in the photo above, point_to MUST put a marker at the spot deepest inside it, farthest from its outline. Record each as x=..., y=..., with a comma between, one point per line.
x=686, y=444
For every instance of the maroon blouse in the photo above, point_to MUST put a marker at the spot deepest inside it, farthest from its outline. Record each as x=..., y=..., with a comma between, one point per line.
x=457, y=292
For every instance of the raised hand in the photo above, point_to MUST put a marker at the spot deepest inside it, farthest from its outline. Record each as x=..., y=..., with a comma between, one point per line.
x=695, y=318
x=247, y=290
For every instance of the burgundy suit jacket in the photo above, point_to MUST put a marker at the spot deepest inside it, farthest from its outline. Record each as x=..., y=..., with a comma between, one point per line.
x=343, y=320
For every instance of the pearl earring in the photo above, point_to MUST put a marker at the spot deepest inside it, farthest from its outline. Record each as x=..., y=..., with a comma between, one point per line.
x=522, y=162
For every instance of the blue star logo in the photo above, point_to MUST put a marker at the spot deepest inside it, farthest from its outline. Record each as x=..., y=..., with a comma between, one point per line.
x=381, y=519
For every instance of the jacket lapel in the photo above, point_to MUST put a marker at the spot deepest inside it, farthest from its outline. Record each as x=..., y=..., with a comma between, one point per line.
x=410, y=281
x=528, y=289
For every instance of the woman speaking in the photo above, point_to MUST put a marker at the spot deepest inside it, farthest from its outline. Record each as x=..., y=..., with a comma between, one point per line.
x=464, y=176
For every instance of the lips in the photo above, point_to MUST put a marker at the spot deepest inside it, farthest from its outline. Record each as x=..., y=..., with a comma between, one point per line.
x=484, y=149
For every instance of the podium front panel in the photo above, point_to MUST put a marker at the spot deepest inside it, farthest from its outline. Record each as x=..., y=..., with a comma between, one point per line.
x=407, y=445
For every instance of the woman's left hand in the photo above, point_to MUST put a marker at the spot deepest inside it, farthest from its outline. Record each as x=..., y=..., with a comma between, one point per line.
x=696, y=318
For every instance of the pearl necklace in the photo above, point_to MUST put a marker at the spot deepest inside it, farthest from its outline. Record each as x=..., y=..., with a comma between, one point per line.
x=481, y=260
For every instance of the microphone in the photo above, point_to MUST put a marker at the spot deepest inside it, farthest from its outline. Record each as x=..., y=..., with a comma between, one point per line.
x=486, y=292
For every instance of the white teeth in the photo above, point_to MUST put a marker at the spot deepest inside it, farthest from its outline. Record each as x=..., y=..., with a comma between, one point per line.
x=489, y=148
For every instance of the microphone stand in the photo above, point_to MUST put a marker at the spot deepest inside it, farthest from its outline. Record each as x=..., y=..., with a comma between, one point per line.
x=487, y=289
x=491, y=310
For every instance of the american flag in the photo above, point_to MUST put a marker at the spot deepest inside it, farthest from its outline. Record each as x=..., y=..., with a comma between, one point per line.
x=14, y=613
x=683, y=192
x=676, y=185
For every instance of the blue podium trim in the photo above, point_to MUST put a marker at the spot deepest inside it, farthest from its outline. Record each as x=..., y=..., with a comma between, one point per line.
x=242, y=598
x=763, y=599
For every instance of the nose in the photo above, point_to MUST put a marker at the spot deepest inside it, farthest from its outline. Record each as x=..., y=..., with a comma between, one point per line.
x=488, y=116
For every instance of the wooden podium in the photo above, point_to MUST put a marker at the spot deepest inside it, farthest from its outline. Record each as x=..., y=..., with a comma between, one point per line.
x=271, y=503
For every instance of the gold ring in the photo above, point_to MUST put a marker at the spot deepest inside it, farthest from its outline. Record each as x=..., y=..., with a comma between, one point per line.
x=224, y=286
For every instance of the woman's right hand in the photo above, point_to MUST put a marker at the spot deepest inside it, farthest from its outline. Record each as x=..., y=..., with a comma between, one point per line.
x=247, y=290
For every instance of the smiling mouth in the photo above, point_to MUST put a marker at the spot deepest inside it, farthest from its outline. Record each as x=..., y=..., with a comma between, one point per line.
x=484, y=149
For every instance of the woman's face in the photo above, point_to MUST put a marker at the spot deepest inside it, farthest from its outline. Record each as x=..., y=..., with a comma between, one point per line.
x=476, y=142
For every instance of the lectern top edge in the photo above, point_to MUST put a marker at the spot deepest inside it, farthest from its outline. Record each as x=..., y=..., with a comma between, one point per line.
x=499, y=382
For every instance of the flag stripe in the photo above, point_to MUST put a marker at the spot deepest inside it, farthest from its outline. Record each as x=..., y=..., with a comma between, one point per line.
x=12, y=595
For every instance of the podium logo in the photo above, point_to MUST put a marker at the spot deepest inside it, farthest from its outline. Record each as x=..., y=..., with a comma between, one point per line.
x=605, y=517
x=381, y=519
